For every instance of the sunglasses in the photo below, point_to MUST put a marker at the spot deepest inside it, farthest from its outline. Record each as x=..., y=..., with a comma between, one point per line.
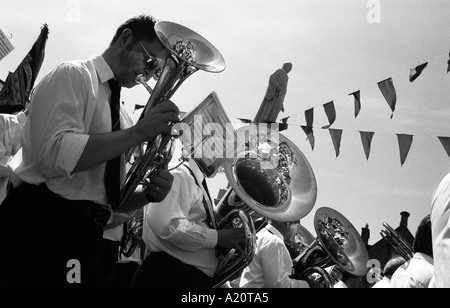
x=152, y=61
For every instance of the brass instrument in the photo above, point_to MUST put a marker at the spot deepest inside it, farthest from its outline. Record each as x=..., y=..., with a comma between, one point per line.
x=301, y=242
x=188, y=52
x=337, y=244
x=397, y=242
x=285, y=191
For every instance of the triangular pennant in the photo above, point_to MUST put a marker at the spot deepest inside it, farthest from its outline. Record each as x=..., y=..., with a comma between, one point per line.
x=336, y=136
x=310, y=135
x=366, y=138
x=246, y=121
x=446, y=143
x=404, y=142
x=388, y=90
x=357, y=96
x=415, y=72
x=448, y=62
x=309, y=116
x=330, y=112
x=17, y=88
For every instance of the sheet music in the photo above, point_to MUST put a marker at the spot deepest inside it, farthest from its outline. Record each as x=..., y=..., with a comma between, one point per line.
x=7, y=44
x=209, y=148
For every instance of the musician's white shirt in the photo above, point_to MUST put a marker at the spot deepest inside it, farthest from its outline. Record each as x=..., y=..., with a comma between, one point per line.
x=178, y=225
x=73, y=103
x=415, y=273
x=440, y=224
x=272, y=265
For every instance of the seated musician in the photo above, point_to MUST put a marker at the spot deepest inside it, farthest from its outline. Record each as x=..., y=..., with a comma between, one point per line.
x=180, y=236
x=271, y=266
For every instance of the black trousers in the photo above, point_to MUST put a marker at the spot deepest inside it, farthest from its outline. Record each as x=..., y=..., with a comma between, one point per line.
x=46, y=242
x=160, y=270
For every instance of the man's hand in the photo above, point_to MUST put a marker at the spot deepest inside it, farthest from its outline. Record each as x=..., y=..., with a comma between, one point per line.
x=157, y=121
x=160, y=184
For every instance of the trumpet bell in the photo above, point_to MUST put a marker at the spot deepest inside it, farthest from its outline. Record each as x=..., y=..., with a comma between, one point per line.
x=190, y=47
x=278, y=184
x=341, y=241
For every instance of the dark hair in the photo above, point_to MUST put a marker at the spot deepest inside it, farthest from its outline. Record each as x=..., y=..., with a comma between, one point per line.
x=423, y=241
x=142, y=26
x=392, y=265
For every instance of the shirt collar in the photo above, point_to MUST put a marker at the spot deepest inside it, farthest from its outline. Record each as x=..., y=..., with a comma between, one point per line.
x=103, y=69
x=274, y=231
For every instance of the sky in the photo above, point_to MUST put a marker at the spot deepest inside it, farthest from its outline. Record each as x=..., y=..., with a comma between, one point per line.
x=337, y=47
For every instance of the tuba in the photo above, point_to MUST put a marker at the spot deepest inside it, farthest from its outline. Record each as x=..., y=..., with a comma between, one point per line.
x=397, y=242
x=276, y=183
x=338, y=244
x=188, y=52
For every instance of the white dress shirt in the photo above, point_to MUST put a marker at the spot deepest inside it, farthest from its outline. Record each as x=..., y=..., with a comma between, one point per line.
x=68, y=105
x=440, y=224
x=384, y=283
x=11, y=127
x=178, y=225
x=415, y=273
x=272, y=265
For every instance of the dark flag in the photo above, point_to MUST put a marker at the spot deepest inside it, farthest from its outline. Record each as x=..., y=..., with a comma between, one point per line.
x=330, y=112
x=310, y=135
x=415, y=72
x=308, y=129
x=309, y=117
x=388, y=90
x=404, y=142
x=336, y=136
x=18, y=85
x=357, y=96
x=448, y=67
x=366, y=139
x=446, y=144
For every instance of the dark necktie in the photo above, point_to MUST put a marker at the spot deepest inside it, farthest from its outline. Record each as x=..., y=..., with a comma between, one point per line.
x=112, y=172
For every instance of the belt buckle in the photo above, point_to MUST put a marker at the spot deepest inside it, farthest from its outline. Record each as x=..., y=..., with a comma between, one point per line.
x=101, y=216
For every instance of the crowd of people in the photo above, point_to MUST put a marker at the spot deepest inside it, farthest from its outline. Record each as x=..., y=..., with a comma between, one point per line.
x=73, y=142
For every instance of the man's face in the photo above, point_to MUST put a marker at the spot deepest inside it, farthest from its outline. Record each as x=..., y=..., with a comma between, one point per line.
x=133, y=61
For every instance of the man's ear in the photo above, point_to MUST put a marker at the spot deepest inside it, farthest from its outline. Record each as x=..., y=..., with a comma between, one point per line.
x=126, y=38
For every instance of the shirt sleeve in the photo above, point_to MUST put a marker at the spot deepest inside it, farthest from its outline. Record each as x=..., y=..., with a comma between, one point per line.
x=277, y=273
x=170, y=219
x=440, y=219
x=58, y=125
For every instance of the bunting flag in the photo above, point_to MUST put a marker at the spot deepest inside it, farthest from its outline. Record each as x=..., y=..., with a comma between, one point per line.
x=18, y=85
x=448, y=62
x=366, y=138
x=310, y=135
x=357, y=96
x=309, y=116
x=336, y=136
x=330, y=112
x=388, y=90
x=417, y=71
x=446, y=143
x=404, y=142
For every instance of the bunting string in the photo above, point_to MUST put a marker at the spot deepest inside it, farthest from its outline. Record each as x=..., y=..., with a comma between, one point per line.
x=388, y=91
